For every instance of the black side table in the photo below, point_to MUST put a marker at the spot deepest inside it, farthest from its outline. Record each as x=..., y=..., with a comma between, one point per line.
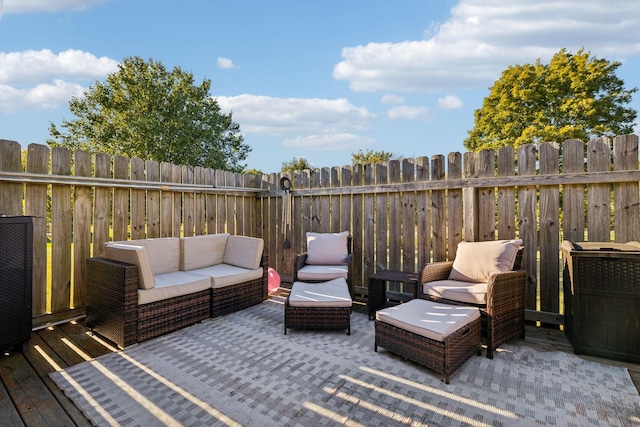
x=378, y=287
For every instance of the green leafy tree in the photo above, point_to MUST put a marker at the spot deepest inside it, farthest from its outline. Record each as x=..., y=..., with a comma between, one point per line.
x=574, y=96
x=296, y=164
x=143, y=110
x=253, y=171
x=370, y=156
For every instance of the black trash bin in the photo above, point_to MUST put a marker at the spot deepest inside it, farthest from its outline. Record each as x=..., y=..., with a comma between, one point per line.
x=602, y=298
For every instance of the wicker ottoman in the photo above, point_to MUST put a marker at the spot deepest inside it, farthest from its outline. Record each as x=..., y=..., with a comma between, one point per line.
x=439, y=336
x=324, y=305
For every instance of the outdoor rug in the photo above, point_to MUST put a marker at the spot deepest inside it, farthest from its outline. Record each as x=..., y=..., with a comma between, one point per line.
x=241, y=369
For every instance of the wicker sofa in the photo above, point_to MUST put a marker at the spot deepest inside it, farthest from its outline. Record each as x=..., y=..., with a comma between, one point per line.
x=144, y=288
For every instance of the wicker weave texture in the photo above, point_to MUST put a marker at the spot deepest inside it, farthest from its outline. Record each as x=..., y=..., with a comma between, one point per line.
x=325, y=318
x=443, y=357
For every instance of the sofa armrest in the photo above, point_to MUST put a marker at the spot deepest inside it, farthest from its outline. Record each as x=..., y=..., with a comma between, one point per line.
x=301, y=261
x=506, y=292
x=112, y=300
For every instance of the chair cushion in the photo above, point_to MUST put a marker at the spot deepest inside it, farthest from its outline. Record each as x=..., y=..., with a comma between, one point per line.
x=224, y=274
x=428, y=319
x=242, y=251
x=455, y=290
x=132, y=254
x=327, y=248
x=323, y=272
x=202, y=251
x=476, y=261
x=334, y=293
x=174, y=284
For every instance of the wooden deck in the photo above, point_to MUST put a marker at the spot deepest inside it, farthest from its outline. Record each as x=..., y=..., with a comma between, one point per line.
x=29, y=398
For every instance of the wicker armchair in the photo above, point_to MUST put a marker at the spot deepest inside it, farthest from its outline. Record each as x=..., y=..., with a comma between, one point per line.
x=502, y=307
x=328, y=257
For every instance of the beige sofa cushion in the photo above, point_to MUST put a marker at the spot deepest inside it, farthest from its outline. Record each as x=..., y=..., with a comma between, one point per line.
x=323, y=272
x=327, y=248
x=476, y=261
x=132, y=254
x=174, y=284
x=428, y=319
x=244, y=252
x=202, y=251
x=334, y=293
x=456, y=290
x=164, y=253
x=224, y=274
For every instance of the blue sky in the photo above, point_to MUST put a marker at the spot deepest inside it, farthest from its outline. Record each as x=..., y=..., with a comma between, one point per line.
x=313, y=79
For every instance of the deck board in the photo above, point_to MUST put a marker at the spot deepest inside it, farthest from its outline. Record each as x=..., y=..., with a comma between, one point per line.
x=29, y=397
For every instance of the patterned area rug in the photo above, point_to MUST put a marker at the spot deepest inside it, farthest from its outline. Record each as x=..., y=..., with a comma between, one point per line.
x=241, y=369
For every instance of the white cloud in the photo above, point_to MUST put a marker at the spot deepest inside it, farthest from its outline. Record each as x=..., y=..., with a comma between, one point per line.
x=44, y=80
x=224, y=63
x=450, y=102
x=41, y=97
x=329, y=142
x=34, y=6
x=392, y=99
x=38, y=65
x=294, y=116
x=483, y=37
x=407, y=112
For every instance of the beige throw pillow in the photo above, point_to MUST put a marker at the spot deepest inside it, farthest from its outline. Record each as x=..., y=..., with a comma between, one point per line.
x=327, y=248
x=476, y=261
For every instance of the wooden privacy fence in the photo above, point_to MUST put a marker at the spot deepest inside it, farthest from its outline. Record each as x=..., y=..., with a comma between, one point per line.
x=400, y=213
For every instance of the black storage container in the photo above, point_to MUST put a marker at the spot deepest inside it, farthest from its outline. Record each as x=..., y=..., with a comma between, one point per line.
x=16, y=272
x=602, y=298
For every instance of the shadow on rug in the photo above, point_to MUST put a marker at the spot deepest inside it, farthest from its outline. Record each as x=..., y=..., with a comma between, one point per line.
x=241, y=369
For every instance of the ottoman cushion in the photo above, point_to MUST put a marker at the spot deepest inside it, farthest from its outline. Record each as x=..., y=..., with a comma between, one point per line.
x=428, y=319
x=334, y=293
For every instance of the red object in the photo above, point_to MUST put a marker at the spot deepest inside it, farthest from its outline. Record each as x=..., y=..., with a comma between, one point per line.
x=274, y=280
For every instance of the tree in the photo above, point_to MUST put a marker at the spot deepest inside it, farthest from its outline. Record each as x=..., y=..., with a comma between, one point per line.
x=296, y=164
x=574, y=96
x=145, y=111
x=371, y=156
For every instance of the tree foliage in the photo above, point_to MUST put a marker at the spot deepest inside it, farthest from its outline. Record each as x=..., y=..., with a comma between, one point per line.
x=143, y=110
x=296, y=164
x=574, y=96
x=370, y=156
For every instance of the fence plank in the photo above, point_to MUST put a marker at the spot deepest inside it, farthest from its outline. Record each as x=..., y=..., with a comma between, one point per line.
x=221, y=204
x=176, y=177
x=439, y=213
x=61, y=221
x=166, y=201
x=10, y=192
x=408, y=219
x=455, y=207
x=335, y=201
x=626, y=208
x=138, y=200
x=506, y=195
x=424, y=213
x=470, y=199
x=368, y=245
x=382, y=219
x=325, y=203
x=200, y=202
x=154, y=201
x=528, y=222
x=549, y=231
x=573, y=225
x=188, y=203
x=101, y=205
x=359, y=281
x=81, y=228
x=395, y=220
x=486, y=197
x=598, y=196
x=120, y=216
x=211, y=202
x=36, y=206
